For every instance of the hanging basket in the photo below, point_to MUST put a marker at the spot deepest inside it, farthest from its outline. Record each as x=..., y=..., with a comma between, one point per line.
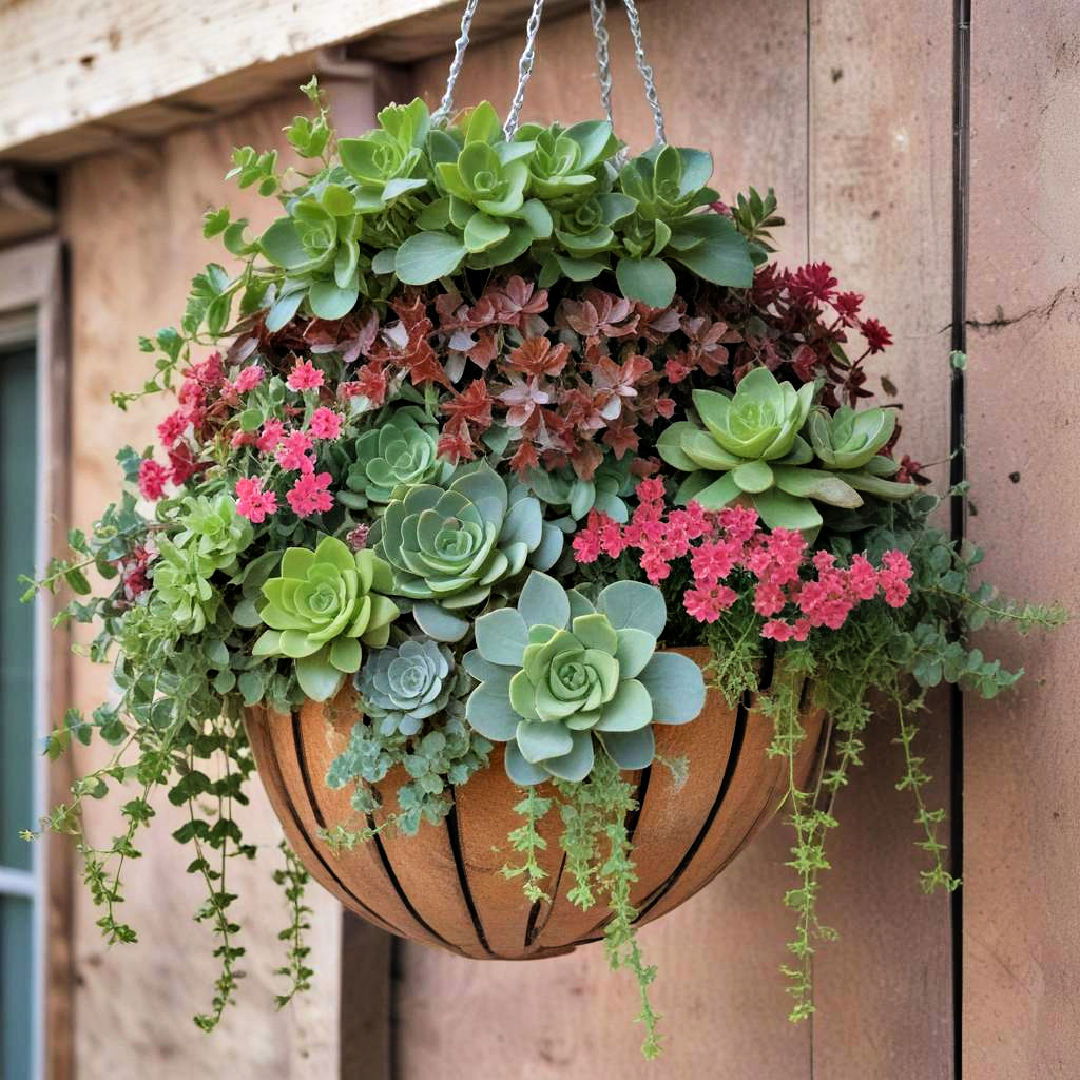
x=444, y=886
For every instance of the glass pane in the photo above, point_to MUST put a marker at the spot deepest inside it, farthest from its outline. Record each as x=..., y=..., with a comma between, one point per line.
x=18, y=511
x=16, y=987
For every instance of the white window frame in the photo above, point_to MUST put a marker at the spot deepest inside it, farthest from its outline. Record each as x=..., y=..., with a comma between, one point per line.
x=31, y=313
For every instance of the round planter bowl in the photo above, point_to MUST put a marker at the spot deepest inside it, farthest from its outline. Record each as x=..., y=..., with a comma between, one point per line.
x=444, y=885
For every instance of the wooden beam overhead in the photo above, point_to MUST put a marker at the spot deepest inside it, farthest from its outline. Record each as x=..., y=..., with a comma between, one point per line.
x=79, y=79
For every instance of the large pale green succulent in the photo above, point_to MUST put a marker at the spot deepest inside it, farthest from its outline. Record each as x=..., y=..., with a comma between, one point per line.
x=403, y=685
x=558, y=673
x=449, y=546
x=848, y=442
x=400, y=452
x=752, y=440
x=324, y=604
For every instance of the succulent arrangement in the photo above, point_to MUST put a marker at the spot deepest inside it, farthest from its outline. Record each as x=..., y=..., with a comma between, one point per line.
x=472, y=444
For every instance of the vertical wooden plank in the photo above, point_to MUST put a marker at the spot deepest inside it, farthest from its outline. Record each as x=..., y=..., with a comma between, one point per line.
x=366, y=999
x=732, y=79
x=1021, y=950
x=132, y=223
x=880, y=189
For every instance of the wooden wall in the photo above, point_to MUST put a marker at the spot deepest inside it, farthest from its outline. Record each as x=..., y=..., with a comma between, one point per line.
x=1021, y=941
x=846, y=108
x=132, y=225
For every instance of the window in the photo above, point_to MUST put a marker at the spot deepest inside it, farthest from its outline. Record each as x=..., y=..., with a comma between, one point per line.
x=28, y=282
x=20, y=803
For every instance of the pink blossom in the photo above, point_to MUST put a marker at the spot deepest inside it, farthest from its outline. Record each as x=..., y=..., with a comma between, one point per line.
x=304, y=376
x=152, y=479
x=252, y=502
x=309, y=495
x=272, y=433
x=173, y=426
x=325, y=423
x=248, y=379
x=292, y=452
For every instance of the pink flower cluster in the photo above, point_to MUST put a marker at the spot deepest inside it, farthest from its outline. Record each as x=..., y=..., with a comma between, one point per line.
x=294, y=451
x=792, y=589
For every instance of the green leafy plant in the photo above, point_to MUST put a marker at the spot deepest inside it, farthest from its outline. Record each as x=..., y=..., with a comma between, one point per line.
x=326, y=603
x=401, y=453
x=557, y=672
x=405, y=684
x=448, y=547
x=752, y=439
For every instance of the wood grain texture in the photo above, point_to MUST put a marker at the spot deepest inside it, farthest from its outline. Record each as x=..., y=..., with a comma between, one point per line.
x=880, y=190
x=77, y=77
x=445, y=885
x=1021, y=939
x=132, y=224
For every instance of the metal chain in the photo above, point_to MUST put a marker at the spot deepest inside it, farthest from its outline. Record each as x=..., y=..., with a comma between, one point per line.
x=460, y=46
x=646, y=70
x=603, y=56
x=525, y=68
x=528, y=60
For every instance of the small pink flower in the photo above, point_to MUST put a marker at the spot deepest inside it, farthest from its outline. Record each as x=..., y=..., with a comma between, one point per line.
x=252, y=502
x=272, y=433
x=309, y=495
x=292, y=453
x=778, y=630
x=304, y=376
x=248, y=379
x=172, y=427
x=325, y=423
x=152, y=479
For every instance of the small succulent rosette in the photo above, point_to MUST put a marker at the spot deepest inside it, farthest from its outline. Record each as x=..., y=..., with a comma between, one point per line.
x=559, y=673
x=403, y=685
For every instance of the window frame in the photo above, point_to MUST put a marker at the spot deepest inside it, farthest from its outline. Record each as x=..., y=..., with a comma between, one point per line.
x=32, y=312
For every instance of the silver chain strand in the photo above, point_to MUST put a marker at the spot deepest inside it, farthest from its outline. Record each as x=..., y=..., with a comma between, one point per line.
x=525, y=68
x=528, y=60
x=646, y=70
x=460, y=46
x=603, y=56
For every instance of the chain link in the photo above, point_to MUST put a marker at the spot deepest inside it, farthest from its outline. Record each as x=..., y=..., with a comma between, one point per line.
x=646, y=70
x=462, y=43
x=603, y=56
x=528, y=60
x=525, y=68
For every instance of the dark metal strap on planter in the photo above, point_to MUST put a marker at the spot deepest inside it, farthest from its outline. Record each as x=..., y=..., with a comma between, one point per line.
x=527, y=62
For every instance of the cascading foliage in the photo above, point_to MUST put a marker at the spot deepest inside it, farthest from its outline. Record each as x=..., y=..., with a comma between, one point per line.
x=466, y=442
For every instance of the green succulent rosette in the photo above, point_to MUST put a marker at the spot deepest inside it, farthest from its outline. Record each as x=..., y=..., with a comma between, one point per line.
x=558, y=674
x=848, y=442
x=401, y=452
x=210, y=536
x=448, y=547
x=402, y=686
x=324, y=604
x=752, y=440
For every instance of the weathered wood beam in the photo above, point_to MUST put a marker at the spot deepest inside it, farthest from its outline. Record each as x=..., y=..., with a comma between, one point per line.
x=77, y=81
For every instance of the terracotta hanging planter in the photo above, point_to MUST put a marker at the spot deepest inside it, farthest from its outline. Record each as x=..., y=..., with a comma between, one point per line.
x=444, y=887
